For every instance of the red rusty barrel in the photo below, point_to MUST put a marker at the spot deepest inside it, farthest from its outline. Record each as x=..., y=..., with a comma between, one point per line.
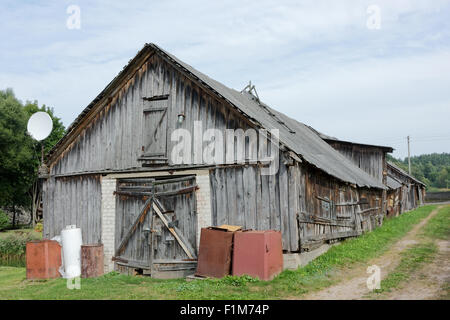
x=91, y=260
x=43, y=259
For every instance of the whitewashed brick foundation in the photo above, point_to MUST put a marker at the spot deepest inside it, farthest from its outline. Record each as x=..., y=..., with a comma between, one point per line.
x=203, y=195
x=108, y=221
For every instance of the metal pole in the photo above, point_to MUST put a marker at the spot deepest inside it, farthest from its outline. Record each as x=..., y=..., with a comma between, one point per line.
x=42, y=153
x=409, y=157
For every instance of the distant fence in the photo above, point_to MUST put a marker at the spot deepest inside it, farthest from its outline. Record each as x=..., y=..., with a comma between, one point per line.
x=437, y=196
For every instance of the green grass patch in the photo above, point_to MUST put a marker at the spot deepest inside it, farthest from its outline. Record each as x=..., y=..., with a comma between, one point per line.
x=439, y=226
x=415, y=257
x=316, y=275
x=412, y=259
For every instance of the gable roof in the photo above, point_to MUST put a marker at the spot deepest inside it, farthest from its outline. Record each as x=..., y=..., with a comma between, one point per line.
x=296, y=136
x=401, y=171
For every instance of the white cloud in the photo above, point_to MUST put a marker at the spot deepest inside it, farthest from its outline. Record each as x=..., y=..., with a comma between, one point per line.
x=314, y=60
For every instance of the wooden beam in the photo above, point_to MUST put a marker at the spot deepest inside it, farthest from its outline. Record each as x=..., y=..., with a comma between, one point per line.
x=174, y=231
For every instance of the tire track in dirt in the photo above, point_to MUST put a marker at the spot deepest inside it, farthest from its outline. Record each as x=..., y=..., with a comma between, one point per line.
x=353, y=284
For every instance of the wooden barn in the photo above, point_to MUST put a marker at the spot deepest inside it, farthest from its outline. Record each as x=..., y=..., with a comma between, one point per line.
x=405, y=192
x=117, y=172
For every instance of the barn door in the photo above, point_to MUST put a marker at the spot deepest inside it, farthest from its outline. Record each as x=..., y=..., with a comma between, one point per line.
x=154, y=129
x=156, y=225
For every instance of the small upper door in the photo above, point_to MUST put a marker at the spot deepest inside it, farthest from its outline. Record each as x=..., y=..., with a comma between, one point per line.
x=154, y=129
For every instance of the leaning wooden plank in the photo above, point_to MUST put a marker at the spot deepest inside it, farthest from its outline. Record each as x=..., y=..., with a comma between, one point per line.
x=140, y=218
x=174, y=231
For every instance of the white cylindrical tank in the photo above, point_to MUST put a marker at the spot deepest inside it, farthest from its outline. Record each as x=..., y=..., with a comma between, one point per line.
x=71, y=247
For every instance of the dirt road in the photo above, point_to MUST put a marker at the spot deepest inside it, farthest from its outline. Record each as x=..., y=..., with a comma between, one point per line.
x=427, y=283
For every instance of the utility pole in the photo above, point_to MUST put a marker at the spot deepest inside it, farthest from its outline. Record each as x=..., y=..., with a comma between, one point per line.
x=409, y=157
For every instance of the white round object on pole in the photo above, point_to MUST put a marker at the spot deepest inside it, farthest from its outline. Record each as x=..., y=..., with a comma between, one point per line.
x=40, y=125
x=71, y=245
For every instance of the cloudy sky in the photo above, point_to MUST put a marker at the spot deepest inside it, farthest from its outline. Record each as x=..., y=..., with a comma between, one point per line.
x=367, y=71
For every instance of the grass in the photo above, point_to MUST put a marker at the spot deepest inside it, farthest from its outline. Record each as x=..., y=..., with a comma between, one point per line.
x=418, y=255
x=435, y=189
x=314, y=276
x=412, y=260
x=439, y=226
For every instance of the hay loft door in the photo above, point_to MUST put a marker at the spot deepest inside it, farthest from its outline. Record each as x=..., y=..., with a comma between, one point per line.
x=156, y=226
x=154, y=130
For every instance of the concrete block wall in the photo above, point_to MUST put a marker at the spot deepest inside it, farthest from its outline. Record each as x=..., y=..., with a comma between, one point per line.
x=108, y=221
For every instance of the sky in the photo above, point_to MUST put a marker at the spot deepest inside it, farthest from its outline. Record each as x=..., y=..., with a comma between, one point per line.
x=365, y=71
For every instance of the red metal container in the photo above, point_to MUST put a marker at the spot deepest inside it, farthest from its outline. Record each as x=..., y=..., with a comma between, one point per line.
x=43, y=259
x=214, y=257
x=258, y=254
x=91, y=260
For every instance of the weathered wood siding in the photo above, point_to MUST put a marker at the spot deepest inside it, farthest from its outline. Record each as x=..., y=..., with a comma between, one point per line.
x=306, y=205
x=411, y=193
x=73, y=200
x=370, y=159
x=242, y=196
x=116, y=138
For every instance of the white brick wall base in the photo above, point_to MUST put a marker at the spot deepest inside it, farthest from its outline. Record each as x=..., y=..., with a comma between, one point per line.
x=108, y=221
x=203, y=195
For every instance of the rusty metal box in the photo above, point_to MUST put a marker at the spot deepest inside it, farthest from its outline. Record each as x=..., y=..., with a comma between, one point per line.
x=43, y=259
x=257, y=254
x=92, y=260
x=214, y=257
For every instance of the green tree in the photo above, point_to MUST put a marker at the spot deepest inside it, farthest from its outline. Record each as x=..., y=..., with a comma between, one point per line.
x=443, y=178
x=19, y=153
x=432, y=169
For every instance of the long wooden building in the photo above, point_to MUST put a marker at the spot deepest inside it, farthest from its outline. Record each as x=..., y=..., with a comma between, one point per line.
x=114, y=173
x=403, y=193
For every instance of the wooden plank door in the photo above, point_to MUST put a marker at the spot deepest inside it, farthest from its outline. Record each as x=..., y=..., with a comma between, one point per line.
x=154, y=129
x=156, y=222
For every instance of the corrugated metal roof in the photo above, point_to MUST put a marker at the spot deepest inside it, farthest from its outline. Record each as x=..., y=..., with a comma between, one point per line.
x=295, y=135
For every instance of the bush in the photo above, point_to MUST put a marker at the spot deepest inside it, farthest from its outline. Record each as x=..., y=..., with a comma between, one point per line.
x=12, y=248
x=4, y=220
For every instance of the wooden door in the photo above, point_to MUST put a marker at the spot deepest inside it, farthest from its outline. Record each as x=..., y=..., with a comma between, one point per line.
x=154, y=129
x=156, y=223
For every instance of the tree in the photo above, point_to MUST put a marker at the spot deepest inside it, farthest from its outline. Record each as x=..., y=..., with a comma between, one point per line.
x=19, y=153
x=443, y=178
